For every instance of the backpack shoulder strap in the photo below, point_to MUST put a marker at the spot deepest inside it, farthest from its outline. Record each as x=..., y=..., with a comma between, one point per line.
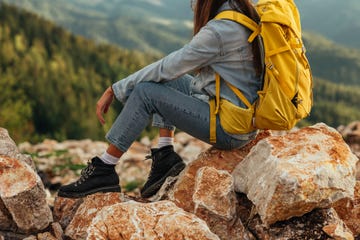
x=241, y=19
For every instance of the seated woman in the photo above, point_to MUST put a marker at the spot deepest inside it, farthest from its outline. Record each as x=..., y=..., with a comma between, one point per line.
x=165, y=91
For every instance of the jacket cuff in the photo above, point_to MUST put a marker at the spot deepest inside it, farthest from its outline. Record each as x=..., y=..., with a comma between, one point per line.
x=119, y=95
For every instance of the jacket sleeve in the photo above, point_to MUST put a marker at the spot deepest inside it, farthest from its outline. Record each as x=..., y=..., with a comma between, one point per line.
x=200, y=51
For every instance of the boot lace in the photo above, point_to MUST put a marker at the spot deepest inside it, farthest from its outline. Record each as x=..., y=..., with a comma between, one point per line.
x=85, y=173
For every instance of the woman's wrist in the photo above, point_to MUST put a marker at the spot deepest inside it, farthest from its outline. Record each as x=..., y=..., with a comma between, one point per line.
x=110, y=90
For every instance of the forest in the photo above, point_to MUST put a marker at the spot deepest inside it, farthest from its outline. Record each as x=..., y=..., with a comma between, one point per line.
x=51, y=79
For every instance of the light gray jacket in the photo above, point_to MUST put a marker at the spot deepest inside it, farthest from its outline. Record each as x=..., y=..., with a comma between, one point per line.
x=219, y=46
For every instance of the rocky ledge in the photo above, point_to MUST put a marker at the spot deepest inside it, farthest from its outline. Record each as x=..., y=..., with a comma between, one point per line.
x=301, y=184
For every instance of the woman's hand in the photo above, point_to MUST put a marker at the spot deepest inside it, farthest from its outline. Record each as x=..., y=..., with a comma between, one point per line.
x=103, y=104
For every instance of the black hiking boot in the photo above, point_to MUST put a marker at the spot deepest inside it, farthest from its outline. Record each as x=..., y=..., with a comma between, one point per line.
x=96, y=177
x=165, y=163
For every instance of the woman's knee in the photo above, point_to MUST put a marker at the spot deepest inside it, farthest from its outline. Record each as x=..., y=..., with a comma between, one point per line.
x=144, y=88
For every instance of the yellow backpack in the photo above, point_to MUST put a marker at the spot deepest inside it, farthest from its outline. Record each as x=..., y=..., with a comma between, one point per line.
x=286, y=96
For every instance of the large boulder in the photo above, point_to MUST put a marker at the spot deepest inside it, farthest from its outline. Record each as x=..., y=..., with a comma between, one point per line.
x=304, y=173
x=290, y=175
x=23, y=197
x=23, y=206
x=148, y=221
x=206, y=188
x=87, y=210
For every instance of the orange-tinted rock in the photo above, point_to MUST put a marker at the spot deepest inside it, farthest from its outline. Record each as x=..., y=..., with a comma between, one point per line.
x=318, y=224
x=218, y=159
x=145, y=221
x=192, y=185
x=216, y=203
x=8, y=148
x=65, y=209
x=91, y=205
x=290, y=175
x=349, y=210
x=214, y=191
x=23, y=195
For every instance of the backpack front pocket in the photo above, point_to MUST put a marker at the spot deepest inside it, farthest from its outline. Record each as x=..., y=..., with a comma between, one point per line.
x=235, y=119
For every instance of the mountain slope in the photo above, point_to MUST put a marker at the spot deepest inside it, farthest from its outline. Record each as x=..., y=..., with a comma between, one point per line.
x=161, y=26
x=151, y=26
x=336, y=20
x=50, y=79
x=334, y=104
x=332, y=61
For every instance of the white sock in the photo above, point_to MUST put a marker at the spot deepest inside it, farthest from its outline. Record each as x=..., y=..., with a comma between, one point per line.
x=109, y=159
x=165, y=141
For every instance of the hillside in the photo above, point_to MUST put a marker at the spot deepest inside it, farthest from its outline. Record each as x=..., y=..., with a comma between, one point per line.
x=336, y=20
x=334, y=104
x=51, y=79
x=150, y=26
x=164, y=25
x=332, y=61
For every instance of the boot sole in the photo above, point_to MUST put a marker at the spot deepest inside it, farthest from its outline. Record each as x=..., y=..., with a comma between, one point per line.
x=92, y=191
x=152, y=189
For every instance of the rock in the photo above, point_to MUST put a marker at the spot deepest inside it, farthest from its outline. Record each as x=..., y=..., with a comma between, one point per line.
x=23, y=196
x=32, y=237
x=183, y=190
x=145, y=221
x=287, y=176
x=46, y=236
x=214, y=192
x=6, y=221
x=349, y=210
x=88, y=209
x=7, y=145
x=55, y=233
x=187, y=194
x=216, y=203
x=132, y=168
x=188, y=147
x=8, y=148
x=12, y=236
x=351, y=133
x=65, y=209
x=201, y=203
x=318, y=224
x=56, y=230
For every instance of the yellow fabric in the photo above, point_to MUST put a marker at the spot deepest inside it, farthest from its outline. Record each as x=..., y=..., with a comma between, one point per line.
x=238, y=17
x=217, y=89
x=212, y=121
x=235, y=119
x=286, y=96
x=239, y=95
x=229, y=118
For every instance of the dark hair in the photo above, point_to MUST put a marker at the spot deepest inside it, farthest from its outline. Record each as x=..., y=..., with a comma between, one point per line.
x=205, y=10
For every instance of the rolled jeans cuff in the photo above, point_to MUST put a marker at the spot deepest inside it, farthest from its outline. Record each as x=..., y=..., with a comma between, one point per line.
x=160, y=123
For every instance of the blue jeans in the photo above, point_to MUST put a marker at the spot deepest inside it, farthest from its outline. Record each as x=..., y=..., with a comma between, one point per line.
x=170, y=104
